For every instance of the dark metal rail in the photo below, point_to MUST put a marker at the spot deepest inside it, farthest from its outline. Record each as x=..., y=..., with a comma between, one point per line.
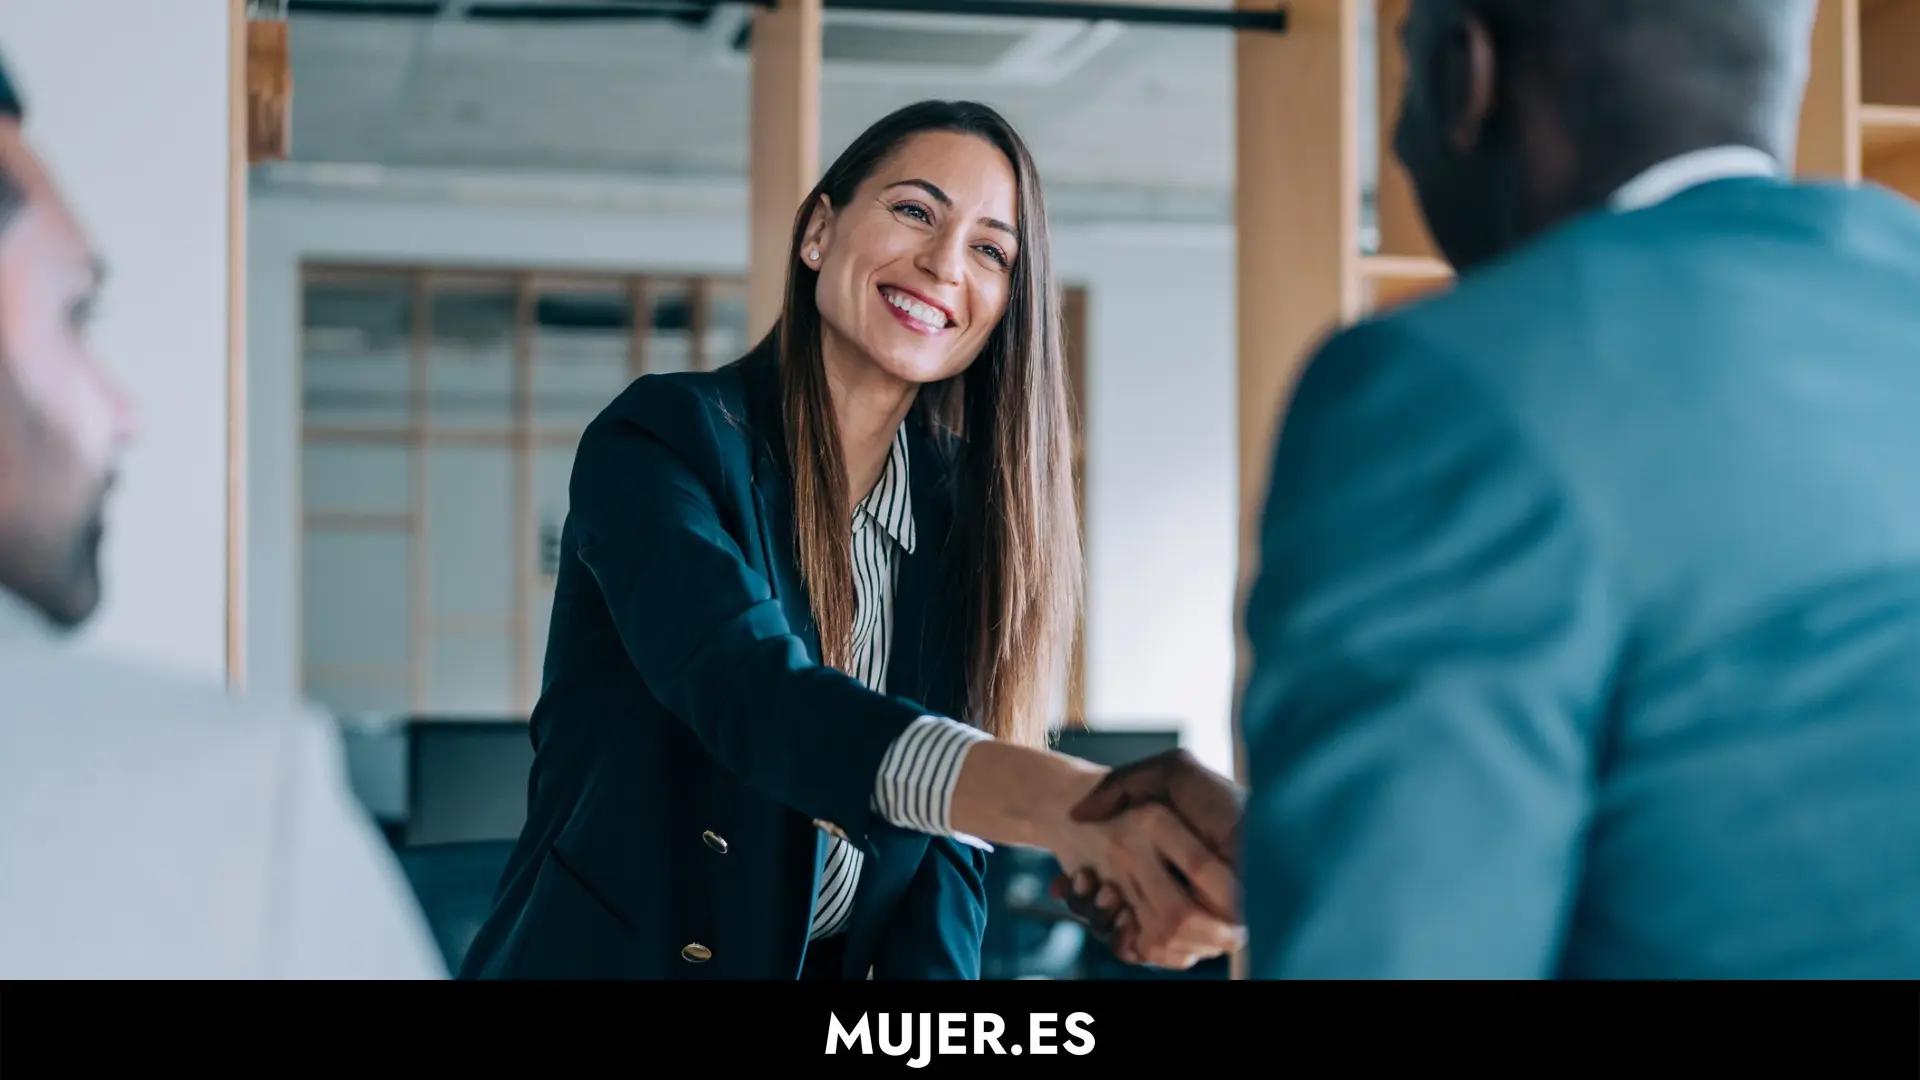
x=1274, y=21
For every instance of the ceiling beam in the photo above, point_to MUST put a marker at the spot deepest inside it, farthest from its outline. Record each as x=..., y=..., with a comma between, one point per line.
x=783, y=146
x=1268, y=17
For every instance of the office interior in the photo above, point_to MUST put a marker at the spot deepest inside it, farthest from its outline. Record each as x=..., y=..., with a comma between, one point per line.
x=402, y=251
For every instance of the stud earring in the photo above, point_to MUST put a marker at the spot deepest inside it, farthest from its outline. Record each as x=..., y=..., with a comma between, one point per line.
x=814, y=255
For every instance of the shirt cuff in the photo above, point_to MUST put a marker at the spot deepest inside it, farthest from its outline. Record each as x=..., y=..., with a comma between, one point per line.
x=917, y=776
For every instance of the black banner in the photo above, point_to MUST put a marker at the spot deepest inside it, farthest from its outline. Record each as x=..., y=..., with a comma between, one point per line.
x=1190, y=1029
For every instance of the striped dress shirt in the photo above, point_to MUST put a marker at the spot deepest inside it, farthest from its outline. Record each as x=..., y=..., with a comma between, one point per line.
x=915, y=787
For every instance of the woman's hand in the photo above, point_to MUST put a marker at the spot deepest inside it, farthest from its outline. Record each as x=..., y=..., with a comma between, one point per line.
x=1152, y=890
x=1095, y=905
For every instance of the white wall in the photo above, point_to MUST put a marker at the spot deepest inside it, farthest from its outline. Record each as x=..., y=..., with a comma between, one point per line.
x=1162, y=479
x=129, y=107
x=1161, y=452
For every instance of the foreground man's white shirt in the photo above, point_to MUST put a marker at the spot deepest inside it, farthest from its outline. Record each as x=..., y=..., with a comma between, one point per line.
x=1686, y=171
x=152, y=828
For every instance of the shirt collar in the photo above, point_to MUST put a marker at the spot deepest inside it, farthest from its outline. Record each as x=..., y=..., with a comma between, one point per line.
x=1689, y=170
x=890, y=503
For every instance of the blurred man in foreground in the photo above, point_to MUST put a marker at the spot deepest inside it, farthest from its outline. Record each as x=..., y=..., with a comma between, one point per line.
x=1587, y=639
x=148, y=828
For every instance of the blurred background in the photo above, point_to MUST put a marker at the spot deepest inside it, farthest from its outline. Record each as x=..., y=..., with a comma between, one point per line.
x=486, y=227
x=577, y=190
x=377, y=263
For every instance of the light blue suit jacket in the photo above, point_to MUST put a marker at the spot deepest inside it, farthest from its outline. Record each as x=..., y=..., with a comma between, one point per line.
x=1587, y=636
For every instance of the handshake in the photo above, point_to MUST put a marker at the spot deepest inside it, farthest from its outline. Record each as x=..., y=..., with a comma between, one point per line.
x=1160, y=884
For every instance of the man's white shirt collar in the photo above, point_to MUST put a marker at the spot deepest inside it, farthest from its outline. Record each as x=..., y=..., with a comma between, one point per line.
x=1690, y=170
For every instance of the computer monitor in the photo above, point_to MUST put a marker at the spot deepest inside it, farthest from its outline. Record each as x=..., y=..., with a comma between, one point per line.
x=1114, y=748
x=467, y=779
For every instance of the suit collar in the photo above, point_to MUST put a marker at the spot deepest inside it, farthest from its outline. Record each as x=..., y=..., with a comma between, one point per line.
x=773, y=490
x=925, y=662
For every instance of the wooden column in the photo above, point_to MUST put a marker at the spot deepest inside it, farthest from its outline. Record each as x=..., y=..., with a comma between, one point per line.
x=785, y=145
x=419, y=560
x=1073, y=325
x=526, y=527
x=700, y=321
x=640, y=299
x=1297, y=203
x=1890, y=94
x=1830, y=119
x=237, y=161
x=269, y=90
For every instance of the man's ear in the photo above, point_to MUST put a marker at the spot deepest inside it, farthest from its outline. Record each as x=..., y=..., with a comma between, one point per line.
x=819, y=235
x=1471, y=77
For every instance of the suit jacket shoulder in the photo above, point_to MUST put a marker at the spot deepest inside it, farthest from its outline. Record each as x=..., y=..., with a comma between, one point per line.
x=182, y=833
x=709, y=420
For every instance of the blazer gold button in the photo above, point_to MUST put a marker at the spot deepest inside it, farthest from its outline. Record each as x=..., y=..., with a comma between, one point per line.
x=695, y=953
x=715, y=841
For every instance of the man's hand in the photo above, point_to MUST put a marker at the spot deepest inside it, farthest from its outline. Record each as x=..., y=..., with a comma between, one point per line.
x=1177, y=894
x=1182, y=897
x=1209, y=803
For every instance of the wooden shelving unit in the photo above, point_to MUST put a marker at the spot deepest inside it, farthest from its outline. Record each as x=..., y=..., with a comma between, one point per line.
x=1887, y=130
x=1395, y=279
x=1890, y=147
x=1862, y=117
x=1889, y=56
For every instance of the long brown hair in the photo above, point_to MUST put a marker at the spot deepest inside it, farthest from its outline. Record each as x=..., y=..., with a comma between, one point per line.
x=1017, y=524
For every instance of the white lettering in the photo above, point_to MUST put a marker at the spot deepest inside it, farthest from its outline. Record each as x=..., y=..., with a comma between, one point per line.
x=988, y=1027
x=953, y=1033
x=838, y=1036
x=1040, y=1033
x=887, y=1046
x=926, y=1043
x=1077, y=1025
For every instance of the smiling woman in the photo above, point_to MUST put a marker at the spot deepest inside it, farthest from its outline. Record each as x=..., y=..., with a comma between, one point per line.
x=812, y=611
x=927, y=278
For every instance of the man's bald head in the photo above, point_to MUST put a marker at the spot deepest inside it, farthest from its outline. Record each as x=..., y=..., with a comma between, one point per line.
x=1628, y=72
x=1552, y=104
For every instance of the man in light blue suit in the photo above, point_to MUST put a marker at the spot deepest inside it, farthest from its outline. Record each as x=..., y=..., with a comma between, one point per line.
x=1587, y=635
